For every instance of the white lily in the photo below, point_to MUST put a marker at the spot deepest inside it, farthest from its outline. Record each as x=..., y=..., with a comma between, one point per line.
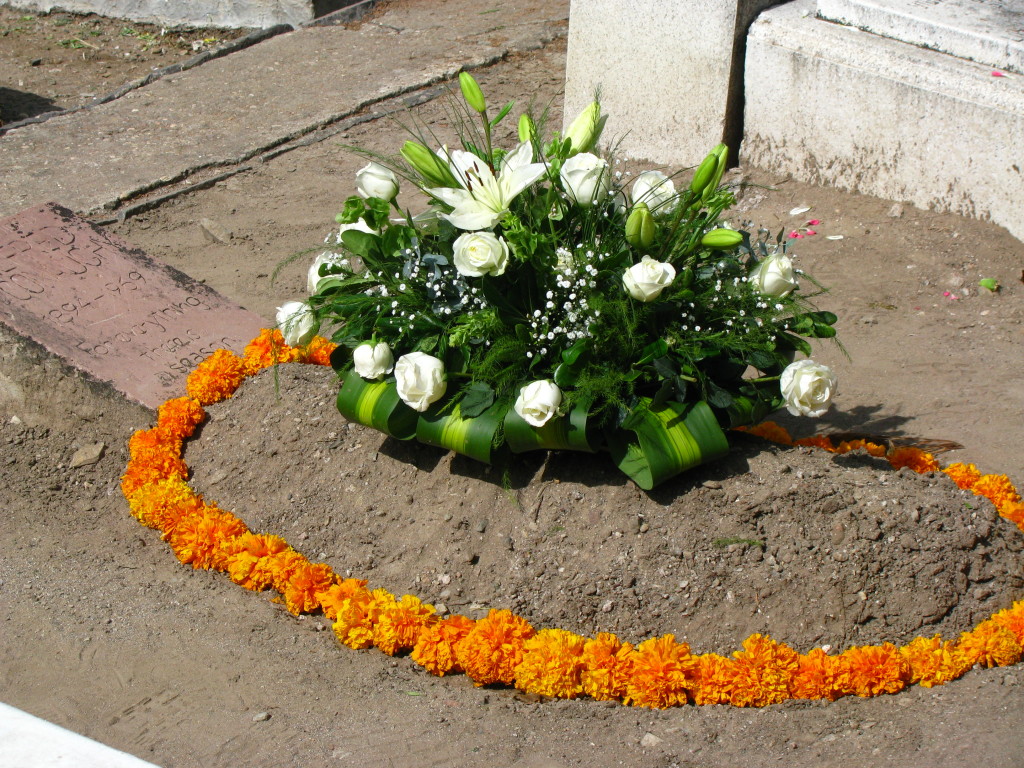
x=485, y=198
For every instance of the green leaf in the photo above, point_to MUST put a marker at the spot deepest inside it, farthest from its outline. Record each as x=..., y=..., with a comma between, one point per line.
x=718, y=397
x=666, y=367
x=989, y=283
x=572, y=354
x=667, y=441
x=477, y=399
x=352, y=212
x=570, y=432
x=359, y=243
x=474, y=437
x=762, y=360
x=501, y=115
x=375, y=404
x=788, y=340
x=657, y=348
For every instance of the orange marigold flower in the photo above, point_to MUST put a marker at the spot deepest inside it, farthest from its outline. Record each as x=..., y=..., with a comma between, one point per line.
x=990, y=644
x=763, y=672
x=964, y=475
x=996, y=488
x=914, y=458
x=399, y=624
x=164, y=503
x=267, y=349
x=178, y=418
x=197, y=538
x=769, y=430
x=846, y=446
x=1014, y=512
x=318, y=351
x=606, y=667
x=870, y=670
x=552, y=664
x=435, y=650
x=358, y=615
x=1012, y=618
x=715, y=676
x=306, y=585
x=816, y=676
x=932, y=661
x=216, y=378
x=281, y=565
x=331, y=601
x=247, y=558
x=154, y=457
x=662, y=672
x=816, y=441
x=493, y=649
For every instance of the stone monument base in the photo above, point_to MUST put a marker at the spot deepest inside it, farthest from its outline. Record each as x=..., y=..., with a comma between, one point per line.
x=839, y=105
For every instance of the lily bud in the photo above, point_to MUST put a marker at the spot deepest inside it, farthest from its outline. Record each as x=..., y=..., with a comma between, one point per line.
x=722, y=238
x=527, y=128
x=432, y=168
x=641, y=227
x=722, y=153
x=585, y=130
x=704, y=173
x=471, y=92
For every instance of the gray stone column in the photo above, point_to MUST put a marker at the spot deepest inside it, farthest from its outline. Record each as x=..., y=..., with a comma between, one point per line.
x=670, y=72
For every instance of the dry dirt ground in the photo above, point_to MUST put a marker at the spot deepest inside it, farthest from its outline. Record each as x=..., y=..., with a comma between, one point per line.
x=64, y=60
x=105, y=633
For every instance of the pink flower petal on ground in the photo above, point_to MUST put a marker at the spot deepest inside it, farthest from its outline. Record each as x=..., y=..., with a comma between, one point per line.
x=811, y=232
x=813, y=222
x=997, y=73
x=794, y=235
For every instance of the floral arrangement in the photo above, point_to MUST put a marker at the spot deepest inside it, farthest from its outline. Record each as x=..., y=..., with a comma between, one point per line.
x=537, y=302
x=503, y=648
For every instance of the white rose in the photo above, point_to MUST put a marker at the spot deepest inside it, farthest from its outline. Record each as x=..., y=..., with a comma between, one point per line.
x=656, y=190
x=480, y=253
x=420, y=379
x=586, y=178
x=538, y=402
x=374, y=180
x=313, y=279
x=808, y=388
x=645, y=281
x=372, y=361
x=774, y=276
x=297, y=322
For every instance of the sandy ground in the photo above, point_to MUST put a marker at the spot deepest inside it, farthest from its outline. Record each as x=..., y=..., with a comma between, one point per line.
x=105, y=633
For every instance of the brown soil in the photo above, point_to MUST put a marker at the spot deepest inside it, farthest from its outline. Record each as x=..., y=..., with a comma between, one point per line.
x=63, y=60
x=105, y=633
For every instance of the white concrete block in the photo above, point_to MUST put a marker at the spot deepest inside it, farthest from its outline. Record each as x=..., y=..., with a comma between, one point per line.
x=668, y=72
x=27, y=741
x=191, y=13
x=990, y=32
x=837, y=105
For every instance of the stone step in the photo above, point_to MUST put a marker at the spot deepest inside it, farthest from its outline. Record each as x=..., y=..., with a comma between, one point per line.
x=990, y=32
x=234, y=108
x=833, y=104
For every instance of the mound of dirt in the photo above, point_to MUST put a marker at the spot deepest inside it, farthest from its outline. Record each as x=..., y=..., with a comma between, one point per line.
x=810, y=548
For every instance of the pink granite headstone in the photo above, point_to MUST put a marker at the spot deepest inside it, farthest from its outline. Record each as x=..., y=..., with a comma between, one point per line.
x=107, y=308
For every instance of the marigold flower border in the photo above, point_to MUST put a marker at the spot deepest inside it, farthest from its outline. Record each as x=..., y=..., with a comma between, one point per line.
x=503, y=648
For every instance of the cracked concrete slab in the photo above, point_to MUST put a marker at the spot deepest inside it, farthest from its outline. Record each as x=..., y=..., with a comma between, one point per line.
x=237, y=107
